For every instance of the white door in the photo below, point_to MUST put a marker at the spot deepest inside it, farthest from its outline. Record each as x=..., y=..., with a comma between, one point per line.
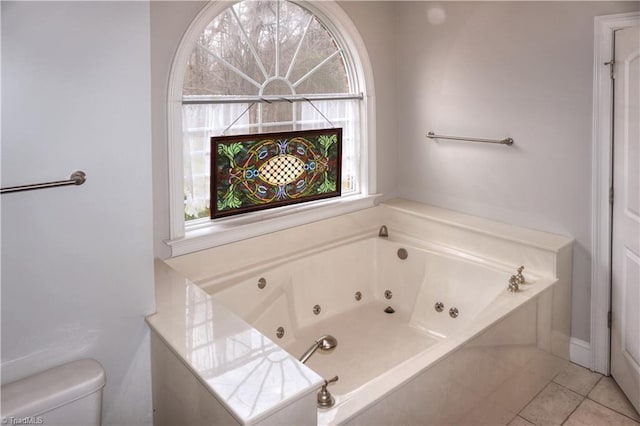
x=625, y=296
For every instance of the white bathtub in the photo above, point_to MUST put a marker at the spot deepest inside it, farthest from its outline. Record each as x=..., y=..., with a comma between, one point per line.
x=376, y=351
x=413, y=366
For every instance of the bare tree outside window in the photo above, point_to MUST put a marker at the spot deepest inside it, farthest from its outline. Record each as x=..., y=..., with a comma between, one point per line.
x=260, y=64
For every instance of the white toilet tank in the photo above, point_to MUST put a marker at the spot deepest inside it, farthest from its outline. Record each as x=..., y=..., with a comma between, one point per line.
x=70, y=394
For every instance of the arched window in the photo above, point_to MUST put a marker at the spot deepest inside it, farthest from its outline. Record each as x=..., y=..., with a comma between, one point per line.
x=264, y=66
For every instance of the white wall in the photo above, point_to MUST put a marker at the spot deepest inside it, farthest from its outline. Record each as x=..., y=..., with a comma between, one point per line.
x=375, y=23
x=169, y=21
x=498, y=69
x=77, y=275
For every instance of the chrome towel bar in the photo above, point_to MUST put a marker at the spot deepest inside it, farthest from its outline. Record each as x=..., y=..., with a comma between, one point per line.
x=76, y=178
x=507, y=141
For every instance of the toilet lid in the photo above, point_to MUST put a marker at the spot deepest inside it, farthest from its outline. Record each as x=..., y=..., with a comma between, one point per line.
x=53, y=388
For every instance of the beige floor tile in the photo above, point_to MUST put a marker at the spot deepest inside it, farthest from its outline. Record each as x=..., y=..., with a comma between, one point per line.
x=518, y=390
x=543, y=363
x=577, y=378
x=488, y=414
x=519, y=421
x=552, y=406
x=591, y=413
x=609, y=394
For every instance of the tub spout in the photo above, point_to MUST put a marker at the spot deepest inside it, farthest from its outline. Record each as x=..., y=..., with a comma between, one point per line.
x=325, y=343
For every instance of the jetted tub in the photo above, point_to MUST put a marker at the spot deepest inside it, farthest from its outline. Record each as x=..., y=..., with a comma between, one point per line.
x=345, y=289
x=478, y=360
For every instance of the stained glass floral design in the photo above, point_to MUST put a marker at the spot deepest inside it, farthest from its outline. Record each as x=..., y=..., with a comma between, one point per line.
x=254, y=172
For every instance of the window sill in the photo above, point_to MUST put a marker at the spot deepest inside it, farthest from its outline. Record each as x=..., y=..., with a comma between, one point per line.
x=209, y=234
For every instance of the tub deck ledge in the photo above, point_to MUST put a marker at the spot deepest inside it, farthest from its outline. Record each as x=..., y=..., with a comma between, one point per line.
x=250, y=376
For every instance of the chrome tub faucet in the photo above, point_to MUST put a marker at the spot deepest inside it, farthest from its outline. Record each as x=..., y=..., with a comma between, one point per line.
x=516, y=281
x=325, y=400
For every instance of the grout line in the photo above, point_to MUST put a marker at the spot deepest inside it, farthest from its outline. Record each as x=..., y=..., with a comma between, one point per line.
x=514, y=417
x=518, y=415
x=534, y=397
x=529, y=402
x=558, y=384
x=568, y=388
x=612, y=409
x=584, y=397
x=599, y=380
x=621, y=394
x=575, y=409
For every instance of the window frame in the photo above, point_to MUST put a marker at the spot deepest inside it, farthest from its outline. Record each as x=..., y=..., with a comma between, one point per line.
x=206, y=233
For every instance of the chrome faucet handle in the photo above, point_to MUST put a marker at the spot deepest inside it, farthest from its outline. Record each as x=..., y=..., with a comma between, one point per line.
x=331, y=380
x=520, y=277
x=513, y=284
x=325, y=400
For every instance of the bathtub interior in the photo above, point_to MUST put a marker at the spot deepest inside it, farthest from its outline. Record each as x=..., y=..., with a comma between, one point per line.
x=431, y=274
x=294, y=285
x=370, y=341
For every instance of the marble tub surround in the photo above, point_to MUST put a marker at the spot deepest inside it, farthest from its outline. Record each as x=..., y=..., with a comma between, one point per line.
x=520, y=339
x=228, y=372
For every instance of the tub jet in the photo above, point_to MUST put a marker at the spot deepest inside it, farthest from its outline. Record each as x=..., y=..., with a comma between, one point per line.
x=389, y=310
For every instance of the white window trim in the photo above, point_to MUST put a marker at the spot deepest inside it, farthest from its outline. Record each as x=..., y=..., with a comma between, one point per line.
x=220, y=232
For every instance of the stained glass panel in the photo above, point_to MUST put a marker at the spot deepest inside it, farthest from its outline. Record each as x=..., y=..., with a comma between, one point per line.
x=255, y=172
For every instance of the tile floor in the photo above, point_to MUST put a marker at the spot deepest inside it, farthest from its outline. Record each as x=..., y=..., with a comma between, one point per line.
x=577, y=396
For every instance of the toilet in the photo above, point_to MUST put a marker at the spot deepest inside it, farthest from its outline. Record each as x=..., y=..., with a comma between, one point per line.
x=70, y=394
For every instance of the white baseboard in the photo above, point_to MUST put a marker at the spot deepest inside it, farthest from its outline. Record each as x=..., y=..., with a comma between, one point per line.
x=580, y=352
